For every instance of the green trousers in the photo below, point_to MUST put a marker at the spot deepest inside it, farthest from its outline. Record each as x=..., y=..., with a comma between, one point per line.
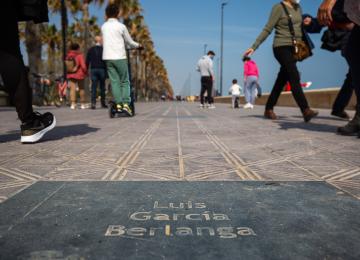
x=119, y=77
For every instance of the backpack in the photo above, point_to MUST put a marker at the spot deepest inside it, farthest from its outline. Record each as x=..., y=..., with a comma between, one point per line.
x=71, y=66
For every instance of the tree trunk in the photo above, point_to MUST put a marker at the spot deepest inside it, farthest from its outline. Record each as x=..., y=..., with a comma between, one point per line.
x=86, y=18
x=33, y=47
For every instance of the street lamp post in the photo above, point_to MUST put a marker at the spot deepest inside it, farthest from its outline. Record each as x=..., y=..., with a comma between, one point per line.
x=222, y=47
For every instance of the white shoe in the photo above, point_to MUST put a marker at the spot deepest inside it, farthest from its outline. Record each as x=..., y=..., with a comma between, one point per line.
x=83, y=106
x=73, y=106
x=212, y=106
x=252, y=106
x=248, y=106
x=201, y=106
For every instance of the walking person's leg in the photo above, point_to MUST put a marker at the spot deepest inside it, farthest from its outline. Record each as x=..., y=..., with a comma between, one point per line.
x=251, y=86
x=102, y=78
x=202, y=91
x=352, y=56
x=246, y=91
x=253, y=91
x=343, y=98
x=94, y=82
x=12, y=68
x=72, y=84
x=233, y=98
x=275, y=93
x=115, y=81
x=209, y=91
x=123, y=72
x=15, y=77
x=81, y=85
x=285, y=57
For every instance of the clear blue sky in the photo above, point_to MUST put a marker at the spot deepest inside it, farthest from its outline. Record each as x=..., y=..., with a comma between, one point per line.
x=181, y=28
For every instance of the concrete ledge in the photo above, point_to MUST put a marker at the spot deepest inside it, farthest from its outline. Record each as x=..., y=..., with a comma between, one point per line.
x=4, y=99
x=322, y=98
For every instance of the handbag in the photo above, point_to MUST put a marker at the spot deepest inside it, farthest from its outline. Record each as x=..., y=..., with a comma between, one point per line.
x=302, y=50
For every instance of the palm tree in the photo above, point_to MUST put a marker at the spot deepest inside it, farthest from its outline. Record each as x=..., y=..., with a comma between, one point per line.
x=51, y=37
x=150, y=73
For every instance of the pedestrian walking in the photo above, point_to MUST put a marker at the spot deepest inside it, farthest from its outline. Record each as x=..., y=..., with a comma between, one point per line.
x=290, y=46
x=76, y=74
x=251, y=79
x=115, y=38
x=97, y=68
x=352, y=53
x=12, y=69
x=206, y=68
x=235, y=91
x=336, y=38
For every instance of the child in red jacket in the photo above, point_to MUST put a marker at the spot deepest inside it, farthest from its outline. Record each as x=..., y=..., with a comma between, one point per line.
x=76, y=78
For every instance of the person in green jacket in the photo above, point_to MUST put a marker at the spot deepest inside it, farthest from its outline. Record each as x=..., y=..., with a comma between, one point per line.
x=284, y=53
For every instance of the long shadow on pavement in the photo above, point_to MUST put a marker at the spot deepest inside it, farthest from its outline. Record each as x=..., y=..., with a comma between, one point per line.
x=314, y=127
x=330, y=118
x=286, y=124
x=60, y=132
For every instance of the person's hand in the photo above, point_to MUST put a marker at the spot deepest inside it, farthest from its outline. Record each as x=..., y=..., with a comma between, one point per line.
x=140, y=48
x=213, y=78
x=324, y=13
x=249, y=52
x=307, y=21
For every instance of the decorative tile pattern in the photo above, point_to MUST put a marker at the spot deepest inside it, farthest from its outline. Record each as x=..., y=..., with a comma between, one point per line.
x=180, y=142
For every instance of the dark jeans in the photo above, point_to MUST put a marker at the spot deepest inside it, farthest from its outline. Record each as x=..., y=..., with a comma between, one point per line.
x=288, y=73
x=352, y=57
x=98, y=76
x=12, y=69
x=345, y=94
x=206, y=86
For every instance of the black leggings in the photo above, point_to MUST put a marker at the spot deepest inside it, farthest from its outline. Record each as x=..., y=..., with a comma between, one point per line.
x=12, y=69
x=288, y=73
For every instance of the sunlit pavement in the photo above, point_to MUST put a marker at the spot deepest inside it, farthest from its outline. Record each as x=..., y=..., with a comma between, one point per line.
x=178, y=182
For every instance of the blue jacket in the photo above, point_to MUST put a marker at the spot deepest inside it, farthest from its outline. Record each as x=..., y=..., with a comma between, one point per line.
x=314, y=27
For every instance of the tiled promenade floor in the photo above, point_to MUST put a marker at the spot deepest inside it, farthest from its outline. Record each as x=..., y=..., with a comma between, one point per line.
x=180, y=142
x=176, y=182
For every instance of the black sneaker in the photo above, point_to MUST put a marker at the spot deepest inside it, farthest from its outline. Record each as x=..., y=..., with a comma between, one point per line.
x=93, y=106
x=33, y=131
x=341, y=114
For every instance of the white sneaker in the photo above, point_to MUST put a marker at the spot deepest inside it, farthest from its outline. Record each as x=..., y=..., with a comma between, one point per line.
x=201, y=106
x=73, y=106
x=212, y=106
x=252, y=106
x=248, y=106
x=83, y=106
